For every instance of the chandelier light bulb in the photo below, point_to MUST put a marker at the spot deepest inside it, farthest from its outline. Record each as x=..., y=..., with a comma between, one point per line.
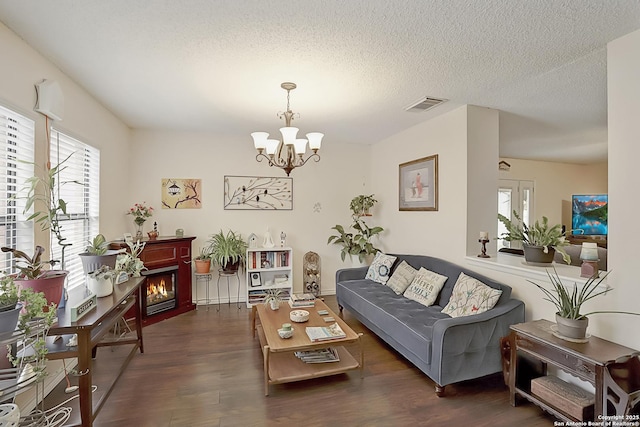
x=315, y=140
x=289, y=135
x=260, y=140
x=300, y=145
x=272, y=146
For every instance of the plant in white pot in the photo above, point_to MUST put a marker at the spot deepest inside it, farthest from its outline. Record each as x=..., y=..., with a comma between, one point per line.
x=273, y=298
x=100, y=281
x=571, y=323
x=539, y=241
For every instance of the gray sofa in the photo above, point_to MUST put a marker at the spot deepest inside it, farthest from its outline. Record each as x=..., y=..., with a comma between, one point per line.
x=447, y=349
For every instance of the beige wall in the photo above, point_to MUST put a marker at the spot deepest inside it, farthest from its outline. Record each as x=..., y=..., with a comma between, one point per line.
x=555, y=183
x=84, y=118
x=329, y=186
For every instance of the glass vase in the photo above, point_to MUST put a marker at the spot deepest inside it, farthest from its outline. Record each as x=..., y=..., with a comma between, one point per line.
x=139, y=225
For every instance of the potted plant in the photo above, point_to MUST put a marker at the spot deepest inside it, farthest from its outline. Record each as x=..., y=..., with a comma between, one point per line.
x=33, y=275
x=100, y=281
x=97, y=254
x=140, y=213
x=539, y=242
x=9, y=306
x=361, y=204
x=571, y=323
x=203, y=262
x=273, y=297
x=228, y=250
x=130, y=261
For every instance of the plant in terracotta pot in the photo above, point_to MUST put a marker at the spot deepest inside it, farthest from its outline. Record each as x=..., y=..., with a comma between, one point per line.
x=571, y=323
x=203, y=262
x=228, y=250
x=33, y=275
x=539, y=241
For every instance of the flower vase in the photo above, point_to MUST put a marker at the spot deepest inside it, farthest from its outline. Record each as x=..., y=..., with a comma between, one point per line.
x=139, y=225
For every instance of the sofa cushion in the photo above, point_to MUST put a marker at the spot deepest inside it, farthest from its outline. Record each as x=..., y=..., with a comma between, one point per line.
x=407, y=322
x=470, y=296
x=380, y=269
x=425, y=286
x=402, y=277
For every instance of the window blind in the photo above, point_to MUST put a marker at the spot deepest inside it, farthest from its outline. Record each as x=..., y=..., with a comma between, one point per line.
x=17, y=136
x=79, y=187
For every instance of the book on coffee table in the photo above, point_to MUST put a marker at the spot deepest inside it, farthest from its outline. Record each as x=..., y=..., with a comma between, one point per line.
x=325, y=333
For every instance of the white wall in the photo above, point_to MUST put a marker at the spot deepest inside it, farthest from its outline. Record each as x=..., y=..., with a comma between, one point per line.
x=341, y=174
x=84, y=118
x=623, y=69
x=556, y=182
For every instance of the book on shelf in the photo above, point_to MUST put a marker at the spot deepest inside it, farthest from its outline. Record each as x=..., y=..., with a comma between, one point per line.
x=325, y=333
x=323, y=355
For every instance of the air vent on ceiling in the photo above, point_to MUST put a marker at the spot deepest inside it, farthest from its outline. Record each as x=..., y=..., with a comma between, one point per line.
x=425, y=104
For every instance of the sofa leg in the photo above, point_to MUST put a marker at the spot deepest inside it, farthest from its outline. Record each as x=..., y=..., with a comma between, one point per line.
x=340, y=307
x=440, y=390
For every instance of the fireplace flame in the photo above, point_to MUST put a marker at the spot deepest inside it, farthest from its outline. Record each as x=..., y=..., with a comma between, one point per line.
x=157, y=290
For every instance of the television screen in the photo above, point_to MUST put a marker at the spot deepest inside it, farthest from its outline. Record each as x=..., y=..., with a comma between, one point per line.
x=589, y=214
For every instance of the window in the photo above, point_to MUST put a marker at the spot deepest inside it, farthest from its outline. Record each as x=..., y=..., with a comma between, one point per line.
x=79, y=187
x=514, y=196
x=16, y=166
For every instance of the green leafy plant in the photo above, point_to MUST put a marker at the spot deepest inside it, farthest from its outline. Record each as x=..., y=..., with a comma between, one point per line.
x=29, y=267
x=98, y=246
x=8, y=293
x=130, y=261
x=204, y=255
x=227, y=249
x=568, y=302
x=361, y=204
x=274, y=294
x=541, y=234
x=356, y=243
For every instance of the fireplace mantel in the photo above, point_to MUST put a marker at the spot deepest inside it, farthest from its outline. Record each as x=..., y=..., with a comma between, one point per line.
x=169, y=251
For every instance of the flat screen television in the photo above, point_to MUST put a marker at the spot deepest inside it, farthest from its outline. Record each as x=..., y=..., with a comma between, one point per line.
x=589, y=214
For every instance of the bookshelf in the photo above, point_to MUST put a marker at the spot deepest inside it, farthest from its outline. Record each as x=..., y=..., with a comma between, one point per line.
x=268, y=268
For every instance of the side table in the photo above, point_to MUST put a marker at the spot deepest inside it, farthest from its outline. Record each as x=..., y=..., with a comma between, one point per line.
x=586, y=361
x=206, y=278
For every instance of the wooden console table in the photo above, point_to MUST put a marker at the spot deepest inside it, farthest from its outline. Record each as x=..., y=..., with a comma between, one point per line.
x=92, y=330
x=586, y=361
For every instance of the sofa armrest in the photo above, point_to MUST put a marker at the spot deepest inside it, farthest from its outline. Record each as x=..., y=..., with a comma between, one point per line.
x=351, y=274
x=472, y=335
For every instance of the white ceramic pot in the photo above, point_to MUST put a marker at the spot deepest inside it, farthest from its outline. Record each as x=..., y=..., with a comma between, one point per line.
x=275, y=304
x=100, y=287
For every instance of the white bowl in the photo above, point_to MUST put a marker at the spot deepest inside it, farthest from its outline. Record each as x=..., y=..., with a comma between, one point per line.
x=285, y=334
x=299, y=316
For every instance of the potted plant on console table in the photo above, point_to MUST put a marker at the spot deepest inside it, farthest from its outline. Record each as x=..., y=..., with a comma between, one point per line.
x=540, y=242
x=570, y=323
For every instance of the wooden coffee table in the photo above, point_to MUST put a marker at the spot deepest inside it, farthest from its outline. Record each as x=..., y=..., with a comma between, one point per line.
x=280, y=363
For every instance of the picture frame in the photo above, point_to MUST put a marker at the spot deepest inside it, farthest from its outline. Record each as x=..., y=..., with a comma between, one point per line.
x=122, y=277
x=255, y=280
x=418, y=184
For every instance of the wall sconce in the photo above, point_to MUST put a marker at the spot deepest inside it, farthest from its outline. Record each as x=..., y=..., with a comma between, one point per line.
x=589, y=257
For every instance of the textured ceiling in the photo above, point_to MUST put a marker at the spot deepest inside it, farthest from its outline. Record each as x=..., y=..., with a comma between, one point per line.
x=205, y=65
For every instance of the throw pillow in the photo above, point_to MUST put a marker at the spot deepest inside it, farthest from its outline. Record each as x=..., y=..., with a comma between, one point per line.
x=425, y=287
x=402, y=277
x=470, y=296
x=380, y=268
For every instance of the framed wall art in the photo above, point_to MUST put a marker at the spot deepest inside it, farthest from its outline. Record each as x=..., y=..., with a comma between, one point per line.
x=419, y=185
x=258, y=193
x=180, y=193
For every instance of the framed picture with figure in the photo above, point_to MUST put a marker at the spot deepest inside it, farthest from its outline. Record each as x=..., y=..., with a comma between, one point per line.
x=418, y=185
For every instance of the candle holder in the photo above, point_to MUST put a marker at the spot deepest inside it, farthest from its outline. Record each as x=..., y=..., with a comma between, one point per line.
x=484, y=248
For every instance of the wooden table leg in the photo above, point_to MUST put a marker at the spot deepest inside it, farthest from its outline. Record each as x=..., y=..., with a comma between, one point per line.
x=138, y=314
x=513, y=360
x=253, y=321
x=265, y=355
x=361, y=355
x=84, y=381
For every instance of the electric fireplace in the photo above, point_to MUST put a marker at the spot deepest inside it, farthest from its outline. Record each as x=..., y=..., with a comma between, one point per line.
x=161, y=290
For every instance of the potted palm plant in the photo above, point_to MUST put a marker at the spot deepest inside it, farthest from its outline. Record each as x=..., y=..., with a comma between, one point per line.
x=571, y=323
x=228, y=250
x=539, y=242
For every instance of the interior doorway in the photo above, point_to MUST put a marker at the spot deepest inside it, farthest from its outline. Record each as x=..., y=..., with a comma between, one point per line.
x=514, y=195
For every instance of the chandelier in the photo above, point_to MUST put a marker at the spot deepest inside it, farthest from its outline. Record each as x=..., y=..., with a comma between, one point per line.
x=287, y=153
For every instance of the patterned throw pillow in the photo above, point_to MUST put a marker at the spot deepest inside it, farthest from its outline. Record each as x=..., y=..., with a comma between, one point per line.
x=402, y=277
x=470, y=296
x=380, y=268
x=425, y=287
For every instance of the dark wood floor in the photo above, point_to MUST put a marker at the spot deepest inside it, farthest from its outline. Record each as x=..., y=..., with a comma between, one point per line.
x=203, y=368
